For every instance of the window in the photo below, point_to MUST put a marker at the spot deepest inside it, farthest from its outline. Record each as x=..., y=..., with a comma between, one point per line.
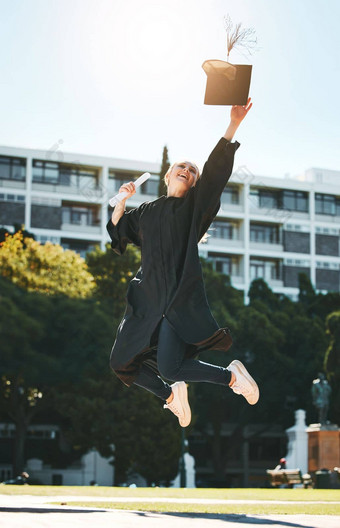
x=295, y=201
x=280, y=199
x=263, y=233
x=12, y=197
x=230, y=195
x=150, y=187
x=223, y=265
x=226, y=230
x=82, y=247
x=269, y=199
x=120, y=178
x=79, y=216
x=256, y=270
x=327, y=204
x=66, y=175
x=265, y=269
x=265, y=199
x=12, y=168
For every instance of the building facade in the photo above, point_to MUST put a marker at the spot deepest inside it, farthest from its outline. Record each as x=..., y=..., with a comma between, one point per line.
x=266, y=228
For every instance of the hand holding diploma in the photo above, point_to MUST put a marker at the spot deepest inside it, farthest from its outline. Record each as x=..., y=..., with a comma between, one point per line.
x=128, y=189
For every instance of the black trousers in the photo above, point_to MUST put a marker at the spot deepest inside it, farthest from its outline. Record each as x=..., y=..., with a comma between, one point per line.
x=173, y=366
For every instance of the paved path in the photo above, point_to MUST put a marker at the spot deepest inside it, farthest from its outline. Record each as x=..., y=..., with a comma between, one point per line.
x=34, y=512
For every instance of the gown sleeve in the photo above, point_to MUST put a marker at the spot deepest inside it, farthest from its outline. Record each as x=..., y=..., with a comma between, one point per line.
x=126, y=231
x=215, y=175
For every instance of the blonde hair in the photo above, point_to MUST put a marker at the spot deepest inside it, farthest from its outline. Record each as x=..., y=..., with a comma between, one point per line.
x=176, y=163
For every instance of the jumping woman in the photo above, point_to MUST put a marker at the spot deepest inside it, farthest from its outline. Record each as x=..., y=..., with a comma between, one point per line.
x=168, y=321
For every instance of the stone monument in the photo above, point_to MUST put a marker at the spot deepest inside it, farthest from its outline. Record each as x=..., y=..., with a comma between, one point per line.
x=323, y=437
x=297, y=456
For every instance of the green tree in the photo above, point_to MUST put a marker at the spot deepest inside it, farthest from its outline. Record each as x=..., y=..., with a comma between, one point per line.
x=44, y=268
x=332, y=363
x=307, y=295
x=33, y=276
x=112, y=274
x=16, y=228
x=23, y=362
x=162, y=188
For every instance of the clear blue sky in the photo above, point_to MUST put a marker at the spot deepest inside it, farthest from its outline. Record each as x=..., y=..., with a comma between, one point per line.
x=122, y=78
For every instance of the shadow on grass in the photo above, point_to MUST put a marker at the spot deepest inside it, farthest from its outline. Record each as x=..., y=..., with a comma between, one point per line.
x=228, y=517
x=34, y=509
x=232, y=518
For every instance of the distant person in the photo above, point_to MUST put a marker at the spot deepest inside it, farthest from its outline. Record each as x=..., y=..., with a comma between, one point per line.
x=281, y=464
x=168, y=320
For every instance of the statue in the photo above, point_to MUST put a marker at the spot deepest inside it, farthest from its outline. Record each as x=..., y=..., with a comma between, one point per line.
x=321, y=391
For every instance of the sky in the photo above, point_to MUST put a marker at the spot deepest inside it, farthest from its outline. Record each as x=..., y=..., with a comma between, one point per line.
x=123, y=78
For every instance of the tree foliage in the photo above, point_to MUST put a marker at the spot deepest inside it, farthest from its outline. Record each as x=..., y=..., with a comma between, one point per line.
x=162, y=188
x=332, y=363
x=56, y=340
x=47, y=268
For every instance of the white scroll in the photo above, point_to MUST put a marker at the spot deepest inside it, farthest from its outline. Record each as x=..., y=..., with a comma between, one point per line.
x=119, y=197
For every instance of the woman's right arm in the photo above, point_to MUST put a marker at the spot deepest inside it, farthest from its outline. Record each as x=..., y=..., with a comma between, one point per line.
x=119, y=210
x=123, y=227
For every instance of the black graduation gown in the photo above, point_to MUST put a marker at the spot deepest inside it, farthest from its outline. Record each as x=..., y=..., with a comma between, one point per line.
x=169, y=282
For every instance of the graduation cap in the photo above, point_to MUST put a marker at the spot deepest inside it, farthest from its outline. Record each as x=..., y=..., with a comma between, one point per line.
x=227, y=84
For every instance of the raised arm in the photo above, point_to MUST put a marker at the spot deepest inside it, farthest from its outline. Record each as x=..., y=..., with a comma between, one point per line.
x=237, y=114
x=217, y=171
x=118, y=211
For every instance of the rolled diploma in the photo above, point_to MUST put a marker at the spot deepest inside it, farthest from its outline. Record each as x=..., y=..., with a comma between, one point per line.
x=119, y=197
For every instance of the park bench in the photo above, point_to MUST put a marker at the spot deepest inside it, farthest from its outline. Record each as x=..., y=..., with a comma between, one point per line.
x=289, y=478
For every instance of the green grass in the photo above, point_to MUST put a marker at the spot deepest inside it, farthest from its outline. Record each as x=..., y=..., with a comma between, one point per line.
x=194, y=493
x=108, y=499
x=249, y=509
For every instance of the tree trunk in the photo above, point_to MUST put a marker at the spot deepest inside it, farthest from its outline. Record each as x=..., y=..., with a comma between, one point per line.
x=19, y=448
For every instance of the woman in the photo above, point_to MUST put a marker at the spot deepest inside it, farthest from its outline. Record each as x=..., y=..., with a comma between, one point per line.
x=167, y=320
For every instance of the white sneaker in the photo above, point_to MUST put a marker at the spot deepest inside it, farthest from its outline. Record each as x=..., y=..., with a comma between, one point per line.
x=180, y=405
x=244, y=383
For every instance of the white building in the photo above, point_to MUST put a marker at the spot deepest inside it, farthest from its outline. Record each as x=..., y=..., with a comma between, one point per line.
x=266, y=227
x=47, y=441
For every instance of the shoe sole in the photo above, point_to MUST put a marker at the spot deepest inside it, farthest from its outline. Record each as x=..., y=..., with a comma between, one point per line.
x=241, y=369
x=183, y=396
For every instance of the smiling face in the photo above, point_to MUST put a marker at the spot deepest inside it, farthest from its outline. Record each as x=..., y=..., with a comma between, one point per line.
x=181, y=177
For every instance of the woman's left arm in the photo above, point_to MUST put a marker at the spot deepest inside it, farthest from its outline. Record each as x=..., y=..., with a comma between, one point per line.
x=237, y=114
x=217, y=171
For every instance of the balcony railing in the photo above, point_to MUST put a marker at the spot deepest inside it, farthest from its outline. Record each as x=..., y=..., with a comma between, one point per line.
x=224, y=242
x=79, y=185
x=12, y=184
x=267, y=246
x=86, y=228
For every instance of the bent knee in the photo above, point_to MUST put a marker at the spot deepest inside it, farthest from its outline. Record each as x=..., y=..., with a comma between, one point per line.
x=169, y=372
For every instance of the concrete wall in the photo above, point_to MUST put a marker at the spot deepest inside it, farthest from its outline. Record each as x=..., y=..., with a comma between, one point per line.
x=296, y=242
x=45, y=216
x=291, y=275
x=327, y=245
x=12, y=213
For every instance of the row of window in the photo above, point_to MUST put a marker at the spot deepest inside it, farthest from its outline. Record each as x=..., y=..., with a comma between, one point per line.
x=262, y=269
x=49, y=172
x=66, y=175
x=280, y=199
x=258, y=232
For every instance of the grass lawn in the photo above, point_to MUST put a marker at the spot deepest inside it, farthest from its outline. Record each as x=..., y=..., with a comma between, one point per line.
x=315, y=499
x=249, y=509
